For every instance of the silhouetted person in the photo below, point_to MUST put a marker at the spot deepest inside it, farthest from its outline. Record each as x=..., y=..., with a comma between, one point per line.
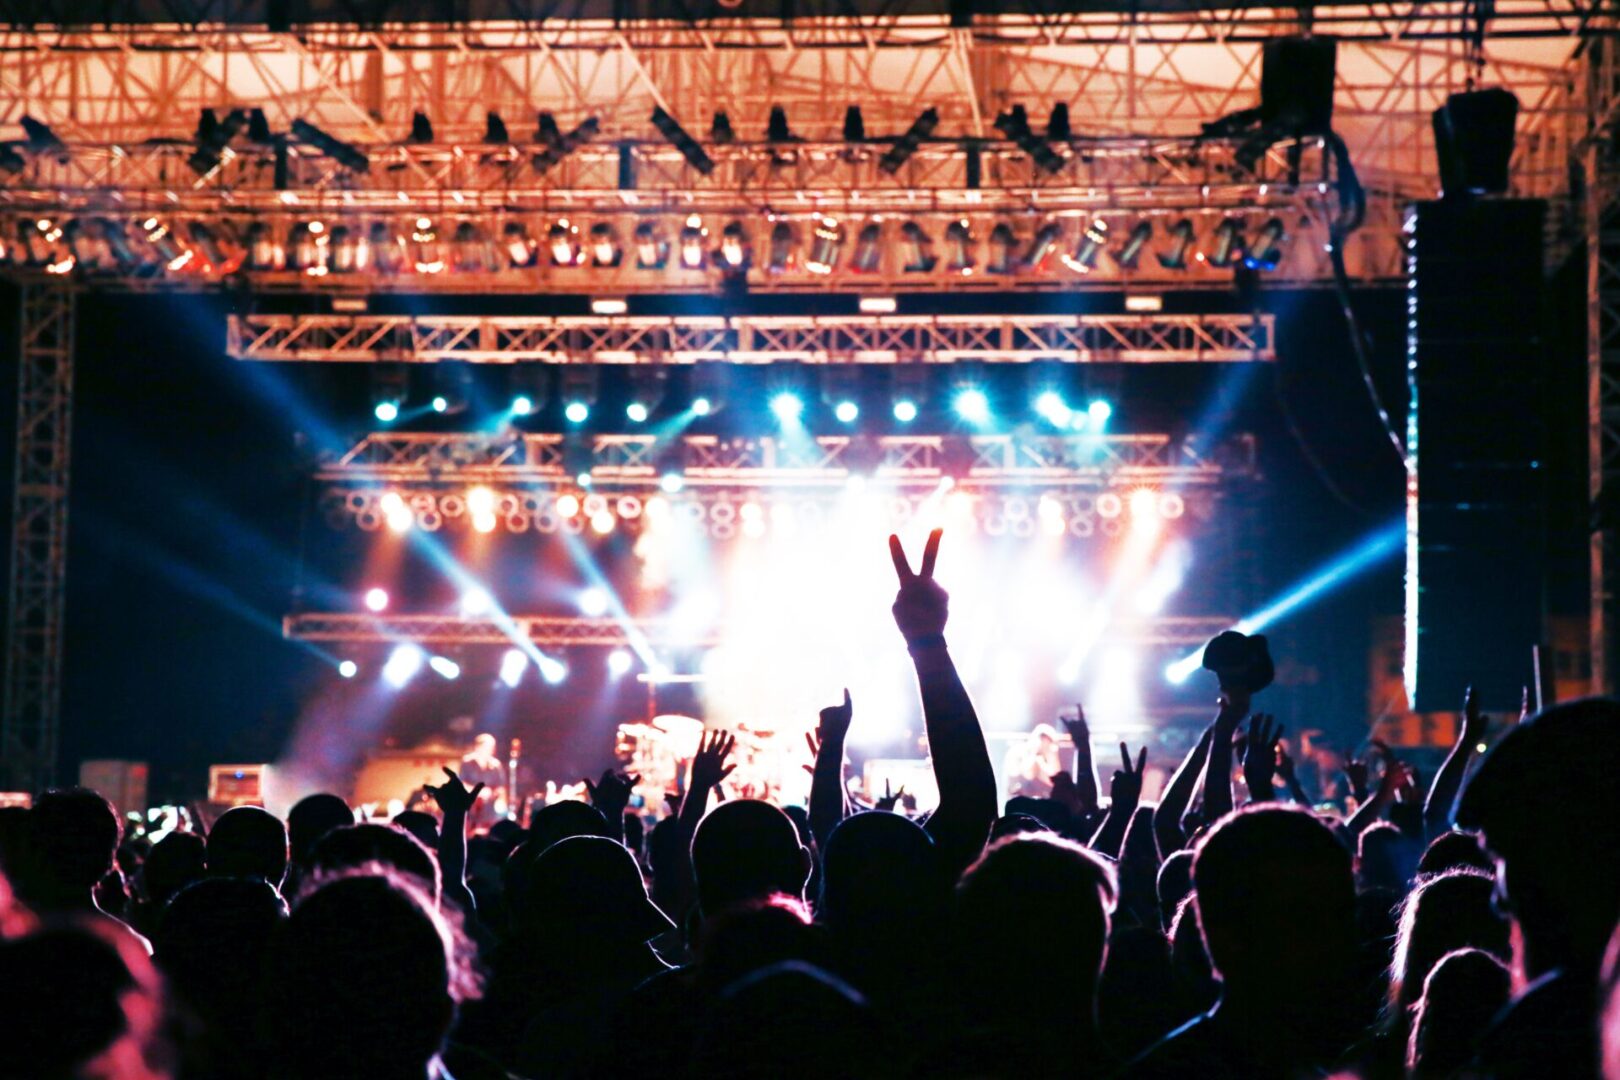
x=311, y=818
x=79, y=998
x=1031, y=931
x=1174, y=884
x=362, y=983
x=248, y=842
x=73, y=834
x=355, y=847
x=1276, y=901
x=1546, y=800
x=747, y=850
x=211, y=945
x=174, y=862
x=791, y=1021
x=1454, y=850
x=420, y=824
x=1461, y=995
x=550, y=824
x=1385, y=859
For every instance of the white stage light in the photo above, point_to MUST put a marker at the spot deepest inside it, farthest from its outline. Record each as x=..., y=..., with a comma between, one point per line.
x=348, y=669
x=513, y=665
x=670, y=483
x=972, y=405
x=788, y=407
x=619, y=662
x=593, y=602
x=476, y=601
x=403, y=664
x=377, y=599
x=445, y=667
x=553, y=670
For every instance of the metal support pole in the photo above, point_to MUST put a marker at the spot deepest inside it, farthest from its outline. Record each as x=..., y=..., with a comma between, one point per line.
x=37, y=589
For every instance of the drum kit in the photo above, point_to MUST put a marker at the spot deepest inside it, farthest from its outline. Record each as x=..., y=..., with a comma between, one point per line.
x=660, y=752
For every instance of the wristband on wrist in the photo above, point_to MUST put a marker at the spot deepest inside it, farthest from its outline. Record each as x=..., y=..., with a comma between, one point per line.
x=925, y=641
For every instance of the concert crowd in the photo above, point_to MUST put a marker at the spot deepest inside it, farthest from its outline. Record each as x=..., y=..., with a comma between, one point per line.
x=1458, y=925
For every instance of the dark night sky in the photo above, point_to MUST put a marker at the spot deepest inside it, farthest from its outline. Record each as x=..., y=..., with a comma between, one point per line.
x=190, y=505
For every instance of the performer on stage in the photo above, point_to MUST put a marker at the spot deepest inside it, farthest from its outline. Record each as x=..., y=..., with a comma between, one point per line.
x=1031, y=764
x=482, y=766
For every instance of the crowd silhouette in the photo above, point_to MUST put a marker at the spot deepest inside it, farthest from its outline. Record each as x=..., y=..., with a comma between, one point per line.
x=1231, y=930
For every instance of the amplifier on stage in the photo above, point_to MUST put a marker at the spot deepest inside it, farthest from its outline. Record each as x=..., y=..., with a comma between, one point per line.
x=237, y=785
x=123, y=783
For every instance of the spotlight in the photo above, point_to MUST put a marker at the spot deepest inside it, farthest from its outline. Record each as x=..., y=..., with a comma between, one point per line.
x=602, y=522
x=693, y=235
x=916, y=249
x=1050, y=405
x=646, y=391
x=825, y=243
x=427, y=254
x=567, y=506
x=707, y=386
x=678, y=138
x=1099, y=411
x=1002, y=242
x=520, y=247
x=1134, y=243
x=868, y=249
x=1181, y=237
x=878, y=305
x=513, y=663
x=476, y=601
x=377, y=599
x=396, y=513
x=788, y=407
x=1044, y=243
x=1092, y=242
x=1144, y=302
x=780, y=255
x=972, y=405
x=1229, y=243
x=552, y=670
x=593, y=602
x=907, y=144
x=563, y=244
x=637, y=412
x=847, y=411
x=959, y=247
x=472, y=250
x=776, y=127
x=1014, y=123
x=605, y=245
x=495, y=129
x=578, y=392
x=701, y=406
x=522, y=405
x=577, y=412
x=905, y=411
x=557, y=145
x=720, y=131
x=403, y=664
x=1057, y=125
x=652, y=250
x=619, y=662
x=39, y=135
x=854, y=125
x=345, y=154
x=609, y=306
x=348, y=669
x=386, y=411
x=1144, y=504
x=670, y=483
x=445, y=666
x=1267, y=252
x=484, y=521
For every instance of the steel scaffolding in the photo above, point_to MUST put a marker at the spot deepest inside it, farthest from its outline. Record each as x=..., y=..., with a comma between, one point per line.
x=39, y=509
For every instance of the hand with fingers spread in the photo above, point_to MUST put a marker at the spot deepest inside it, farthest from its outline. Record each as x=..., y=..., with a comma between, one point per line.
x=921, y=607
x=1126, y=790
x=709, y=767
x=453, y=796
x=1260, y=756
x=890, y=798
x=835, y=721
x=1085, y=778
x=611, y=794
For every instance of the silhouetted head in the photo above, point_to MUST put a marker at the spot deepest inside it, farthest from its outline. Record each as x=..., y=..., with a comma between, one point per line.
x=747, y=850
x=747, y=937
x=420, y=824
x=311, y=818
x=1466, y=989
x=77, y=1000
x=1017, y=825
x=1454, y=850
x=175, y=862
x=212, y=939
x=507, y=833
x=361, y=982
x=1546, y=799
x=880, y=872
x=1385, y=858
x=1443, y=914
x=248, y=841
x=354, y=847
x=484, y=745
x=74, y=834
x=587, y=890
x=1174, y=884
x=1277, y=903
x=635, y=833
x=550, y=824
x=800, y=816
x=1021, y=883
x=790, y=1021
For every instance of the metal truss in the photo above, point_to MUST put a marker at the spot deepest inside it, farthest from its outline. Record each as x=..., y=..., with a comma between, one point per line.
x=550, y=631
x=39, y=506
x=113, y=94
x=753, y=338
x=1603, y=365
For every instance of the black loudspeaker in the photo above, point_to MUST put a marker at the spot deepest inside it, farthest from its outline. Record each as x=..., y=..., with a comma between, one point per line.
x=1475, y=496
x=1296, y=85
x=1473, y=138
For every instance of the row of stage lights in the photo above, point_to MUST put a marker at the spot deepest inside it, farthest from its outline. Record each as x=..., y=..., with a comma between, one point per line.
x=1078, y=514
x=418, y=244
x=408, y=660
x=579, y=389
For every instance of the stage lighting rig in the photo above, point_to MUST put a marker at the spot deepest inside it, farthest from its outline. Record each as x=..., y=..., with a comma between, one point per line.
x=563, y=243
x=213, y=135
x=471, y=249
x=825, y=243
x=694, y=238
x=868, y=249
x=907, y=144
x=652, y=249
x=916, y=249
x=1014, y=123
x=529, y=385
x=387, y=248
x=558, y=146
x=1267, y=252
x=841, y=391
x=579, y=389
x=678, y=138
x=390, y=383
x=854, y=125
x=1057, y=125
x=783, y=242
x=776, y=127
x=11, y=162
x=734, y=249
x=1002, y=259
x=1229, y=244
x=519, y=246
x=1092, y=242
x=720, y=132
x=1131, y=252
x=1044, y=242
x=959, y=247
x=345, y=154
x=708, y=386
x=1174, y=257
x=646, y=392
x=495, y=133
x=39, y=135
x=605, y=250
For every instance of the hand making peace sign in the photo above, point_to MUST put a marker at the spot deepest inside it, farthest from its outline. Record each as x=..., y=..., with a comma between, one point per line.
x=920, y=608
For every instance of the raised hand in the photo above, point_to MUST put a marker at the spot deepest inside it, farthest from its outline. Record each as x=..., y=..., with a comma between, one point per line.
x=1084, y=784
x=1260, y=755
x=890, y=798
x=1126, y=790
x=453, y=796
x=921, y=606
x=815, y=752
x=1355, y=774
x=1475, y=725
x=611, y=794
x=835, y=722
x=709, y=767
